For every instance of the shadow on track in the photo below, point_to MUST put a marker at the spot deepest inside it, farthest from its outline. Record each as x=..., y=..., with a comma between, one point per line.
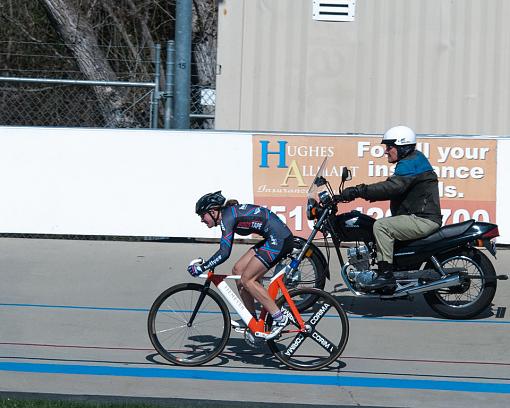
x=238, y=353
x=373, y=307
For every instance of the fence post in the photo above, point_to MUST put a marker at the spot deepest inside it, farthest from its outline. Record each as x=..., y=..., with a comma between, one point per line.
x=169, y=83
x=183, y=13
x=155, y=93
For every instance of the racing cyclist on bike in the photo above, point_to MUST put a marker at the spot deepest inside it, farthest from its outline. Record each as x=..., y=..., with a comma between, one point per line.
x=246, y=219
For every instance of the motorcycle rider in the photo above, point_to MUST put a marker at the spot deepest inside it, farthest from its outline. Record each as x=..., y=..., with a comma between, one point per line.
x=246, y=219
x=414, y=203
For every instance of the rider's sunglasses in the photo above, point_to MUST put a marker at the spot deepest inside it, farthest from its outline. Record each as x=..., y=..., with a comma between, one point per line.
x=389, y=147
x=202, y=216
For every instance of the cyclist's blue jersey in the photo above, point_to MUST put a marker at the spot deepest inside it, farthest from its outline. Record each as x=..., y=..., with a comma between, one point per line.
x=246, y=219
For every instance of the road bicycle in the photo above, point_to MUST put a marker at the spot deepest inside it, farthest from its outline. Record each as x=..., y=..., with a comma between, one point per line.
x=189, y=324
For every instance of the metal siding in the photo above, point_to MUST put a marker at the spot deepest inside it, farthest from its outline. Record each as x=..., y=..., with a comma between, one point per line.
x=230, y=70
x=440, y=66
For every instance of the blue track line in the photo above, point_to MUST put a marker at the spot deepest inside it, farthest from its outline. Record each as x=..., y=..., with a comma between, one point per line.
x=351, y=316
x=209, y=375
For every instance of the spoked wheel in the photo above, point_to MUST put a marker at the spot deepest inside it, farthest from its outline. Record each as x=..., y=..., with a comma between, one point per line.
x=311, y=273
x=474, y=294
x=182, y=341
x=325, y=338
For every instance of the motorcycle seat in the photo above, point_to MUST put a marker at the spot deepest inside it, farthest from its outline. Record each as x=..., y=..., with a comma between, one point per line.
x=444, y=232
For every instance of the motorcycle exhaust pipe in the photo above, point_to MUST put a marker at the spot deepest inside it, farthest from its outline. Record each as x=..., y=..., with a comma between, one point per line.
x=452, y=280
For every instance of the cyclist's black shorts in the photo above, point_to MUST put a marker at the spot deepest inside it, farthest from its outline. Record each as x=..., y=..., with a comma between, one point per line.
x=270, y=251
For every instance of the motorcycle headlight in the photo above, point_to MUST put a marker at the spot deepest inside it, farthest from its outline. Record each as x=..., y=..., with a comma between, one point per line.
x=324, y=197
x=312, y=209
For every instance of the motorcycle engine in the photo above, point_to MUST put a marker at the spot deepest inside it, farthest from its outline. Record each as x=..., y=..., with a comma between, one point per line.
x=359, y=258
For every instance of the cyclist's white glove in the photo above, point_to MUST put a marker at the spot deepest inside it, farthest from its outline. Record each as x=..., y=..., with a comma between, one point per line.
x=195, y=267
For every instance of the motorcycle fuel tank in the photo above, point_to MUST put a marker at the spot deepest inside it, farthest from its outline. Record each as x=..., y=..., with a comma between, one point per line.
x=355, y=226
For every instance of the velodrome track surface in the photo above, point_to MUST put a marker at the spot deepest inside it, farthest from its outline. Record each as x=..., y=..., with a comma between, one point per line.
x=73, y=322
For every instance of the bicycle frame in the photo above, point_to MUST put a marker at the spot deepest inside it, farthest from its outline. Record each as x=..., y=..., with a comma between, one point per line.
x=256, y=326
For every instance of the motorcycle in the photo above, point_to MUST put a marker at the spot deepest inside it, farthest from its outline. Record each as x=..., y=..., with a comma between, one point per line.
x=457, y=280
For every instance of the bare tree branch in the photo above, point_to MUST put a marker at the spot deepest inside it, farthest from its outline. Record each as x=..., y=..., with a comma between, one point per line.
x=80, y=37
x=119, y=25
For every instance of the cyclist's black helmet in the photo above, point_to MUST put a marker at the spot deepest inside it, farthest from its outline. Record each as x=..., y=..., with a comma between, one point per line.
x=209, y=201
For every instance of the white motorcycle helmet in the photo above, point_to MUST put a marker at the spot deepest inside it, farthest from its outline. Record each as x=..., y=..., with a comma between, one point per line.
x=403, y=138
x=399, y=136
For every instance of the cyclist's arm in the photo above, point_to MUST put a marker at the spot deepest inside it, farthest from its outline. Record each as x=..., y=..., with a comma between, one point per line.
x=227, y=239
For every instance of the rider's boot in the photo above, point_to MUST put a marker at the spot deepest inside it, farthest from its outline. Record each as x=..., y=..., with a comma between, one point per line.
x=381, y=278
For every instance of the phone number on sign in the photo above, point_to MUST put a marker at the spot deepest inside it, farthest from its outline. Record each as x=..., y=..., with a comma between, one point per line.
x=295, y=218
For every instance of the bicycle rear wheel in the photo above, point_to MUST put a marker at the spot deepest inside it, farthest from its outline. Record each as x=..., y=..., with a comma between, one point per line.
x=325, y=338
x=181, y=342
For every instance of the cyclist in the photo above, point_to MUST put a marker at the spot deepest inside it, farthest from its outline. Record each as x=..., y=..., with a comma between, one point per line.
x=246, y=219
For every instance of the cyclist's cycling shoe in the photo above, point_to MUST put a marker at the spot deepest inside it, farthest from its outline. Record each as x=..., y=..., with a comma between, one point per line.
x=239, y=326
x=277, y=327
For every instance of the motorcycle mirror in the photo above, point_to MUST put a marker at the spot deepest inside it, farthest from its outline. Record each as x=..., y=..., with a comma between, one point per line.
x=346, y=174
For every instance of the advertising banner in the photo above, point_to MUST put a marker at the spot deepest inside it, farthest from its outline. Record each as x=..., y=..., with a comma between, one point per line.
x=284, y=166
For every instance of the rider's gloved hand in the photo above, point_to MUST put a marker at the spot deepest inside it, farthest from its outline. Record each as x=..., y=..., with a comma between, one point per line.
x=349, y=194
x=195, y=270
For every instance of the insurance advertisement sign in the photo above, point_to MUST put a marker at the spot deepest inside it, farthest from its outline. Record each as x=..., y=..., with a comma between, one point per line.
x=284, y=166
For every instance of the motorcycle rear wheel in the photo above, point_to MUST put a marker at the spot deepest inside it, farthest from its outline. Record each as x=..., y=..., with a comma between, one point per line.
x=474, y=295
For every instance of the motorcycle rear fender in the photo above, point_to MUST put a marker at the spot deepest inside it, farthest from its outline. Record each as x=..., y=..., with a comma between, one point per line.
x=487, y=231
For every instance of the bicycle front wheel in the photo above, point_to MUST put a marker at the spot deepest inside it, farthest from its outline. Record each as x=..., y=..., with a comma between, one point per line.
x=326, y=335
x=179, y=339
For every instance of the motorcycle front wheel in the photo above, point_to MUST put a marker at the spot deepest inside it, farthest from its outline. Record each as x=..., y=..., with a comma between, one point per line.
x=311, y=273
x=474, y=294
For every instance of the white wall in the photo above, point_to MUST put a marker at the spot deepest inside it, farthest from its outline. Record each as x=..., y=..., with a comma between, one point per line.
x=503, y=191
x=136, y=182
x=116, y=182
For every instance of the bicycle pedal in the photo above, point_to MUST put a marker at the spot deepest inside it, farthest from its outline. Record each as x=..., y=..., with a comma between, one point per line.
x=239, y=330
x=253, y=341
x=261, y=335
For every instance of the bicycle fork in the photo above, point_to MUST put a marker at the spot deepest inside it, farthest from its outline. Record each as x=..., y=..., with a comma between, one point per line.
x=201, y=298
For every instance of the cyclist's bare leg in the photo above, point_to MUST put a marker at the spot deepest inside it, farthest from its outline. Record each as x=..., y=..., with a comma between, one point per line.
x=238, y=269
x=250, y=279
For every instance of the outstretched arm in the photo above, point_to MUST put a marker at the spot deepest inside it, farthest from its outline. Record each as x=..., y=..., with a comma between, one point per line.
x=227, y=239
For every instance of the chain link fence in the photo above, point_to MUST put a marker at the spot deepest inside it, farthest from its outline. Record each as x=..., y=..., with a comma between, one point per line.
x=36, y=100
x=202, y=105
x=39, y=104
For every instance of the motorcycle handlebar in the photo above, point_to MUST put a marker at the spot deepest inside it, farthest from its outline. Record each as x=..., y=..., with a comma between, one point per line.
x=337, y=198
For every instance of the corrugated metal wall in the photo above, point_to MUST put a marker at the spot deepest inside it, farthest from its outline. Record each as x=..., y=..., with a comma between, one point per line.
x=440, y=66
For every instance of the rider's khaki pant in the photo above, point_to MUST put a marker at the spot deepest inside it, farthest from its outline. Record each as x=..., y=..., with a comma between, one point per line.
x=402, y=228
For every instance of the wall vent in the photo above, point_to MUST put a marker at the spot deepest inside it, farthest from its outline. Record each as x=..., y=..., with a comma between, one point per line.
x=334, y=10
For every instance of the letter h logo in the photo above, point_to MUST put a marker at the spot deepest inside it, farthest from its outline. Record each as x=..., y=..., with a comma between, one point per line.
x=265, y=152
